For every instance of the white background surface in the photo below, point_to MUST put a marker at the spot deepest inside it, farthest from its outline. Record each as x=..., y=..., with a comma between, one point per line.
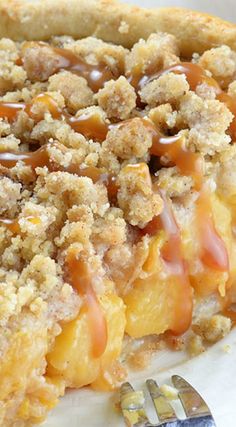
x=213, y=373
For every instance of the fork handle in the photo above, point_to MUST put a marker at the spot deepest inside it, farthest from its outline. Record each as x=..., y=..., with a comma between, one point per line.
x=205, y=421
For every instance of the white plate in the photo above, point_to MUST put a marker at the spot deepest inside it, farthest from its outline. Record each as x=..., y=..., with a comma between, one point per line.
x=213, y=373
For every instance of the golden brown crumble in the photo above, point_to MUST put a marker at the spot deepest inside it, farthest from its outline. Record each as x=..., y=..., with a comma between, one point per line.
x=160, y=50
x=95, y=51
x=12, y=76
x=99, y=203
x=167, y=88
x=172, y=183
x=163, y=116
x=208, y=121
x=136, y=197
x=130, y=140
x=221, y=62
x=195, y=345
x=214, y=328
x=73, y=88
x=117, y=98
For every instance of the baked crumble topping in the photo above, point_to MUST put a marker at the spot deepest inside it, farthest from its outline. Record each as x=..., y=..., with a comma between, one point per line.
x=116, y=209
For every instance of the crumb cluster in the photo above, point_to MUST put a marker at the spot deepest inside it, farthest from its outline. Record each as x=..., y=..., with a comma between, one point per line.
x=52, y=210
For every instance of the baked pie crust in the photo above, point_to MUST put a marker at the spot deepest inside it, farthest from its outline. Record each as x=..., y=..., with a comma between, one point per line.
x=117, y=197
x=113, y=22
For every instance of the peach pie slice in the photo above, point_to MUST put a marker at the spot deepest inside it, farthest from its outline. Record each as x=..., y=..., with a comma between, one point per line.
x=117, y=196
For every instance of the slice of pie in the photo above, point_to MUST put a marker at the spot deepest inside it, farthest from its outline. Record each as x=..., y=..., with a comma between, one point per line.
x=118, y=193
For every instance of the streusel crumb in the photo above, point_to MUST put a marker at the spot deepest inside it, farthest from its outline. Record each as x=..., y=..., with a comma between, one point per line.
x=74, y=89
x=214, y=329
x=131, y=139
x=136, y=197
x=221, y=62
x=160, y=49
x=167, y=88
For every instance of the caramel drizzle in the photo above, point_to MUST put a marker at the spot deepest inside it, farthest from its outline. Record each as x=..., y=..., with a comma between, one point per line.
x=195, y=75
x=96, y=76
x=189, y=163
x=38, y=158
x=90, y=125
x=9, y=110
x=213, y=253
x=81, y=276
x=213, y=250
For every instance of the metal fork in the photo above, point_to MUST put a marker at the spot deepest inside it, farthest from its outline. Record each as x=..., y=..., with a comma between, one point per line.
x=197, y=412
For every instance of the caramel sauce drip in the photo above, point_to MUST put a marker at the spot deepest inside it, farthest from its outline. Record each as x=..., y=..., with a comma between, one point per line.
x=11, y=224
x=96, y=76
x=40, y=158
x=42, y=100
x=213, y=251
x=90, y=125
x=81, y=276
x=9, y=110
x=172, y=255
x=195, y=76
x=173, y=147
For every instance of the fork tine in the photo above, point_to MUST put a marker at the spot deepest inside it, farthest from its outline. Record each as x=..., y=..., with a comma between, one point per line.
x=192, y=402
x=132, y=406
x=163, y=409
